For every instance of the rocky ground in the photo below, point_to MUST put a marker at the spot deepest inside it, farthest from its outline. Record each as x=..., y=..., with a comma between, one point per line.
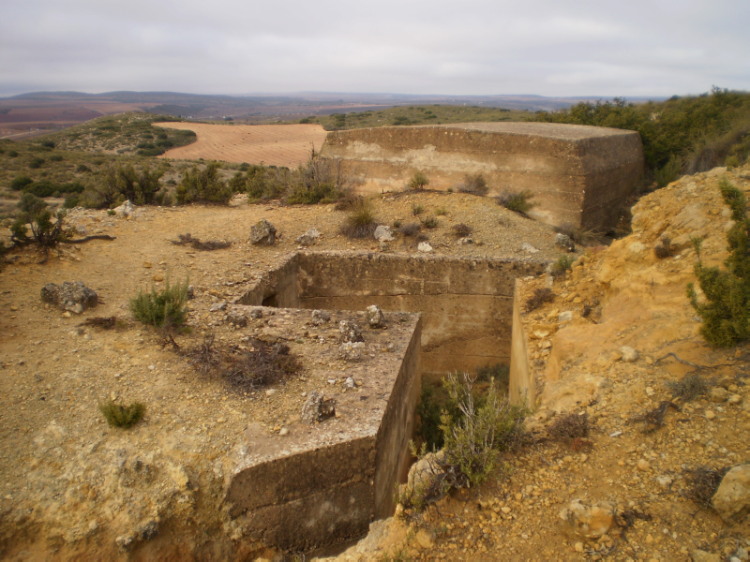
x=619, y=330
x=73, y=488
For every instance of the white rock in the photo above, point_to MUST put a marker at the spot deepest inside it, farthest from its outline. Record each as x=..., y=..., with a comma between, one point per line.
x=424, y=247
x=383, y=233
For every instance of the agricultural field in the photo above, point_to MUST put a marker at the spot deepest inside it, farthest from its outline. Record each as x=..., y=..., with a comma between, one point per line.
x=272, y=145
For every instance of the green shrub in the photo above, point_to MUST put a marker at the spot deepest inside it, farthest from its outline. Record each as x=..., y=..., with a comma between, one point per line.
x=35, y=213
x=430, y=222
x=36, y=163
x=165, y=309
x=360, y=223
x=725, y=310
x=203, y=186
x=410, y=229
x=689, y=387
x=417, y=210
x=20, y=182
x=474, y=441
x=461, y=230
x=518, y=202
x=119, y=415
x=320, y=180
x=562, y=265
x=418, y=181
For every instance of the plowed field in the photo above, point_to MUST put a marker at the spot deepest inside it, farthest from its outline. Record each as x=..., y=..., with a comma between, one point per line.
x=276, y=145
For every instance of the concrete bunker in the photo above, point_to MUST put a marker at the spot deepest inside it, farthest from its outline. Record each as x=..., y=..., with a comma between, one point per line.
x=577, y=174
x=466, y=304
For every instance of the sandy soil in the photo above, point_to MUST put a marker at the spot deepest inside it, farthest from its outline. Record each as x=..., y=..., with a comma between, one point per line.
x=273, y=145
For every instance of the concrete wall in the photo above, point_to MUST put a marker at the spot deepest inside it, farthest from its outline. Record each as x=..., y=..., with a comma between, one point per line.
x=578, y=175
x=466, y=304
x=522, y=388
x=323, y=484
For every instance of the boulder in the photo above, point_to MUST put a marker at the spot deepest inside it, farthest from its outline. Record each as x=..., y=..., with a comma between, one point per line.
x=263, y=233
x=316, y=408
x=74, y=297
x=732, y=498
x=383, y=233
x=309, y=238
x=375, y=316
x=350, y=331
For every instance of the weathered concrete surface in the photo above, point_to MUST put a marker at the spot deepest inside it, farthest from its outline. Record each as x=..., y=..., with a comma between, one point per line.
x=579, y=175
x=467, y=304
x=324, y=483
x=522, y=390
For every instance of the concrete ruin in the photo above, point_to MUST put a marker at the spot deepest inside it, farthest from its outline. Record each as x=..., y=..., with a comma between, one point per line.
x=579, y=175
x=327, y=485
x=466, y=304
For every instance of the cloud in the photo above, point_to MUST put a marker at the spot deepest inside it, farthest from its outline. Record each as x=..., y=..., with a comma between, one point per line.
x=550, y=47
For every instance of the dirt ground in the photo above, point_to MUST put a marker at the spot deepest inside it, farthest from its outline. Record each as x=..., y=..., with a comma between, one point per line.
x=272, y=145
x=73, y=488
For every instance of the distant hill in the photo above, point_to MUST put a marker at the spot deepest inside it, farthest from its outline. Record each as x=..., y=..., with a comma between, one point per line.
x=38, y=112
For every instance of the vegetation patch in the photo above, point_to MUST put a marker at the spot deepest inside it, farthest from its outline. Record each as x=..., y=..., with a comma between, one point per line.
x=518, y=202
x=361, y=222
x=689, y=387
x=166, y=309
x=702, y=483
x=540, y=296
x=253, y=365
x=197, y=244
x=120, y=415
x=725, y=308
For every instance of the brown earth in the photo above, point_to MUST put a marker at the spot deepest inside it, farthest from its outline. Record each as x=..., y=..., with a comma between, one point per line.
x=272, y=145
x=70, y=486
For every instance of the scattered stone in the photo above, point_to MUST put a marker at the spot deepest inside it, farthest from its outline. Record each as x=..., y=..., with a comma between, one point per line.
x=466, y=240
x=698, y=555
x=349, y=383
x=732, y=499
x=350, y=331
x=734, y=399
x=309, y=238
x=383, y=233
x=375, y=317
x=218, y=306
x=566, y=316
x=352, y=351
x=263, y=233
x=284, y=431
x=565, y=242
x=126, y=210
x=588, y=522
x=319, y=317
x=526, y=247
x=664, y=481
x=643, y=464
x=425, y=539
x=424, y=247
x=256, y=313
x=424, y=475
x=236, y=318
x=72, y=297
x=317, y=409
x=628, y=354
x=718, y=394
x=710, y=415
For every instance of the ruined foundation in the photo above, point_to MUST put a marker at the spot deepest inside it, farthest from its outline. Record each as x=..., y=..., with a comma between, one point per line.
x=466, y=304
x=579, y=175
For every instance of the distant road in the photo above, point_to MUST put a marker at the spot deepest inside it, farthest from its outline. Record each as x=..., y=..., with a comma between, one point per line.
x=273, y=145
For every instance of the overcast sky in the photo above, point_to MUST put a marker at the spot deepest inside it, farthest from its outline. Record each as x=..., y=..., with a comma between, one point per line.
x=547, y=47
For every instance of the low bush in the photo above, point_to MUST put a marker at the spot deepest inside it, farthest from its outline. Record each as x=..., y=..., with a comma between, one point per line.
x=35, y=213
x=165, y=309
x=461, y=230
x=518, y=202
x=562, y=265
x=203, y=186
x=360, y=223
x=417, y=210
x=430, y=222
x=418, y=182
x=410, y=229
x=475, y=184
x=689, y=387
x=119, y=415
x=538, y=298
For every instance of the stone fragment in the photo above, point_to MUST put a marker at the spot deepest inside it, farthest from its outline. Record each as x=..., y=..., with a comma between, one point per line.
x=718, y=394
x=565, y=242
x=317, y=409
x=628, y=354
x=375, y=316
x=350, y=331
x=263, y=233
x=526, y=247
x=218, y=306
x=127, y=209
x=73, y=297
x=256, y=313
x=352, y=351
x=309, y=238
x=424, y=247
x=383, y=233
x=698, y=555
x=566, y=316
x=236, y=318
x=588, y=522
x=732, y=498
x=319, y=317
x=422, y=479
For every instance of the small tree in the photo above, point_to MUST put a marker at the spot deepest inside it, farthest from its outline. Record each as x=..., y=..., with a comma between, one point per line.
x=726, y=308
x=418, y=181
x=35, y=213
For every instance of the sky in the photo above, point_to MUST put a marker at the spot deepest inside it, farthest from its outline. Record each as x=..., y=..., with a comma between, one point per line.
x=461, y=47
